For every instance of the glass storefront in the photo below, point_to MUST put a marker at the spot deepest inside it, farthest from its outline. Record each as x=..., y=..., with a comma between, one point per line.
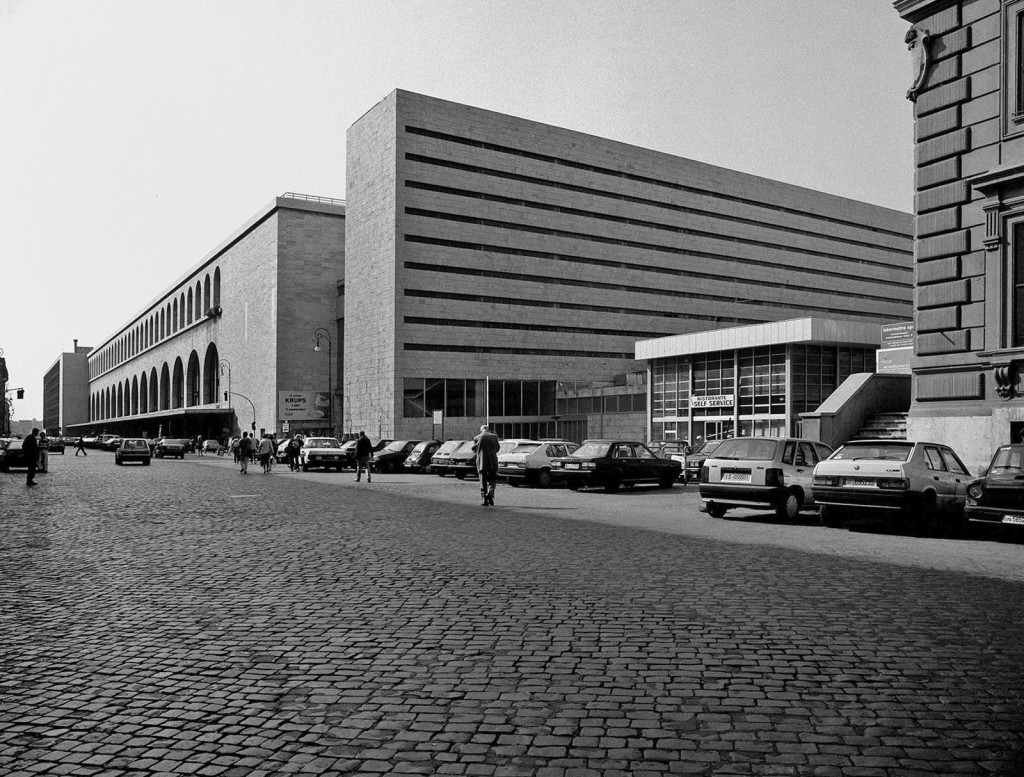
x=716, y=394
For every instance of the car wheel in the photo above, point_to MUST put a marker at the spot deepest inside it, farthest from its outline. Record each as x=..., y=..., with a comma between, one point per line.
x=181, y=456
x=831, y=516
x=790, y=509
x=460, y=475
x=117, y=460
x=716, y=511
x=514, y=482
x=613, y=482
x=145, y=462
x=667, y=481
x=439, y=474
x=544, y=478
x=305, y=467
x=574, y=486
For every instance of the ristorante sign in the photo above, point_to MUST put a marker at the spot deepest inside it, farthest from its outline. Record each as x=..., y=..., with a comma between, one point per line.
x=712, y=400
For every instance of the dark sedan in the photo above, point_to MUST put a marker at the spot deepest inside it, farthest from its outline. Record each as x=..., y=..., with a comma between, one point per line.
x=610, y=464
x=12, y=455
x=393, y=456
x=168, y=446
x=419, y=459
x=998, y=496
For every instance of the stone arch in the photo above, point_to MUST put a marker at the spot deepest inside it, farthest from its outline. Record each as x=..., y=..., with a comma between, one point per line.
x=165, y=388
x=120, y=401
x=178, y=384
x=174, y=316
x=211, y=375
x=216, y=287
x=181, y=312
x=189, y=306
x=154, y=391
x=135, y=395
x=206, y=293
x=143, y=394
x=192, y=380
x=107, y=412
x=199, y=300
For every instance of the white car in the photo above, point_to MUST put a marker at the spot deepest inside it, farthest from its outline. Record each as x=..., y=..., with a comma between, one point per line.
x=324, y=452
x=530, y=462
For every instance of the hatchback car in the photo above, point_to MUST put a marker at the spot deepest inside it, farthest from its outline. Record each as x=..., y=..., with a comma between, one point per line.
x=133, y=449
x=998, y=495
x=760, y=473
x=902, y=480
x=211, y=446
x=441, y=461
x=419, y=459
x=321, y=452
x=168, y=446
x=530, y=462
x=610, y=464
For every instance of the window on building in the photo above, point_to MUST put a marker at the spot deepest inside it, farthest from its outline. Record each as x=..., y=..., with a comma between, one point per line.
x=1017, y=284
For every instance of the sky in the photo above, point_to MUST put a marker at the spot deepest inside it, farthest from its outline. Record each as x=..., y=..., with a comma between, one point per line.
x=136, y=135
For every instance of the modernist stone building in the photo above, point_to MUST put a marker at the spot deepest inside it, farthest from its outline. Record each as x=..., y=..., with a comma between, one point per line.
x=490, y=258
x=66, y=391
x=968, y=102
x=242, y=321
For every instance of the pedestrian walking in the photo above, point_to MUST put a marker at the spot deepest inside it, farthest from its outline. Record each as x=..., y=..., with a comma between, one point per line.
x=199, y=445
x=485, y=445
x=264, y=451
x=244, y=452
x=364, y=448
x=31, y=449
x=294, y=446
x=80, y=447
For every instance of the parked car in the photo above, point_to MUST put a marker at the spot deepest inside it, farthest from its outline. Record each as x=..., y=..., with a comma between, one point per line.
x=12, y=455
x=392, y=456
x=321, y=452
x=761, y=473
x=169, y=446
x=419, y=459
x=905, y=481
x=530, y=462
x=998, y=495
x=210, y=446
x=110, y=443
x=693, y=461
x=610, y=464
x=441, y=461
x=463, y=462
x=133, y=449
x=349, y=448
x=89, y=442
x=55, y=445
x=100, y=441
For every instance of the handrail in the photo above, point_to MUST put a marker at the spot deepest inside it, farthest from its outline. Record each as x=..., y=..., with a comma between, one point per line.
x=312, y=198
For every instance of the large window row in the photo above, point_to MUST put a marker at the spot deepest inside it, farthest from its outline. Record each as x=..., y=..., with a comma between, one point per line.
x=171, y=387
x=174, y=314
x=475, y=397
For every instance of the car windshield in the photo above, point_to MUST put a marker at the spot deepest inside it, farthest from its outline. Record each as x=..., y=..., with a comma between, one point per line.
x=592, y=450
x=1008, y=459
x=421, y=447
x=747, y=449
x=450, y=446
x=883, y=451
x=14, y=445
x=708, y=447
x=525, y=447
x=322, y=442
x=397, y=445
x=135, y=444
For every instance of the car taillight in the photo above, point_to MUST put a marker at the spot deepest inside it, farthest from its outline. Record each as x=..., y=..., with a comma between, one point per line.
x=896, y=483
x=703, y=474
x=774, y=477
x=825, y=480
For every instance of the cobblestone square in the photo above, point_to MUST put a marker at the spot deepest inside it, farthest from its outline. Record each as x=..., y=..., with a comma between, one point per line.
x=185, y=619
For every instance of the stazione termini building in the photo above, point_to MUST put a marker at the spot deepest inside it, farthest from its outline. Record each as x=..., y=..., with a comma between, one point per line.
x=482, y=268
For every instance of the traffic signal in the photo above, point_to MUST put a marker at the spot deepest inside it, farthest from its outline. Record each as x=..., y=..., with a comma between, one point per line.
x=21, y=393
x=254, y=426
x=225, y=396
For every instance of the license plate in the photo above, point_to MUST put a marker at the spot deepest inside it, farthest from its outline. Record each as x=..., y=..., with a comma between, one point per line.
x=572, y=466
x=736, y=477
x=1013, y=519
x=859, y=482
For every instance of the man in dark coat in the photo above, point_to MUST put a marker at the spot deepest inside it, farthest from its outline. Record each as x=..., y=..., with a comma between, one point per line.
x=364, y=449
x=30, y=447
x=485, y=445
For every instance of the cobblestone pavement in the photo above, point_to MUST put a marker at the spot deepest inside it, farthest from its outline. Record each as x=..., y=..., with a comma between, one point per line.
x=183, y=619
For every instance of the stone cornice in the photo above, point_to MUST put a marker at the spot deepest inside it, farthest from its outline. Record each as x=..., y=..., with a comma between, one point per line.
x=915, y=10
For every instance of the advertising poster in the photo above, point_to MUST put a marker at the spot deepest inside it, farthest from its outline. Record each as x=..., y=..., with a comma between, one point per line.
x=303, y=405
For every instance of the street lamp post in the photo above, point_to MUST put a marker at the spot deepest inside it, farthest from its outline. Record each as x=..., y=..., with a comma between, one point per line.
x=253, y=406
x=322, y=334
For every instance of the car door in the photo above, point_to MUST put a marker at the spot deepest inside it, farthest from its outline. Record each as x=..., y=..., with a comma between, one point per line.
x=624, y=461
x=803, y=466
x=939, y=477
x=646, y=463
x=958, y=473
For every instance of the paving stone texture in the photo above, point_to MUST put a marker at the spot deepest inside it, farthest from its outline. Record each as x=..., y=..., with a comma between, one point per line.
x=183, y=619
